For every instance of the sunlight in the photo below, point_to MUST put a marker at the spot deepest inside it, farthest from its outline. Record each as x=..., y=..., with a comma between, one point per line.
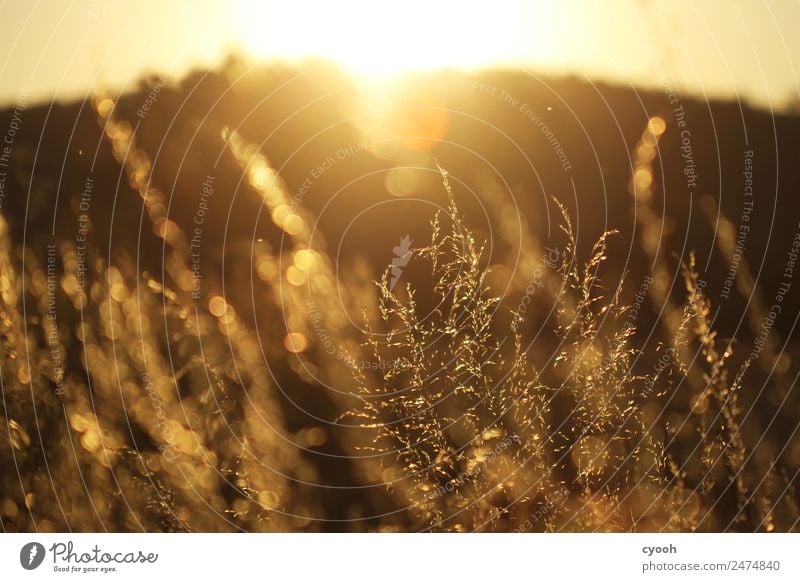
x=381, y=39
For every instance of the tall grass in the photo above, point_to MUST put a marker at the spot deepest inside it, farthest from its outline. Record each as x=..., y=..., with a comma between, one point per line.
x=149, y=410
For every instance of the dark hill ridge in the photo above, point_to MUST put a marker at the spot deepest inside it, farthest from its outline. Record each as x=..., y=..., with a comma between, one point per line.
x=536, y=137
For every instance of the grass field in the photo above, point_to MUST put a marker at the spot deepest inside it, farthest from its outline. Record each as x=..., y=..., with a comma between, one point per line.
x=481, y=378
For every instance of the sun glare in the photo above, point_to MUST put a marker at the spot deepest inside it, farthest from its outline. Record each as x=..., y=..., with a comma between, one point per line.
x=383, y=38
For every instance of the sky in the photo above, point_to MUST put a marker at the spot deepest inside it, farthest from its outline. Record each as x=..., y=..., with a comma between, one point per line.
x=65, y=49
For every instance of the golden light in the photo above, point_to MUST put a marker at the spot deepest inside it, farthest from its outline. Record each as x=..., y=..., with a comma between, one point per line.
x=295, y=342
x=384, y=38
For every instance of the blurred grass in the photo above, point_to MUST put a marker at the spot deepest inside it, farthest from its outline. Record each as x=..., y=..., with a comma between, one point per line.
x=148, y=409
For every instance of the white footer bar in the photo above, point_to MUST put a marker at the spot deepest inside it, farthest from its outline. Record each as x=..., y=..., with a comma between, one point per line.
x=400, y=557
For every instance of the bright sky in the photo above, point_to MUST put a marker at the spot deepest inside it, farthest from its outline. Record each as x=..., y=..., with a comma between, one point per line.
x=714, y=47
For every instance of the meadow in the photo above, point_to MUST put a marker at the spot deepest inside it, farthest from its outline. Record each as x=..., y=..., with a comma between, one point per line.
x=205, y=332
